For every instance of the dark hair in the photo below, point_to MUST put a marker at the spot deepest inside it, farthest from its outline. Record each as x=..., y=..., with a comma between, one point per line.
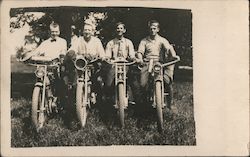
x=153, y=21
x=120, y=23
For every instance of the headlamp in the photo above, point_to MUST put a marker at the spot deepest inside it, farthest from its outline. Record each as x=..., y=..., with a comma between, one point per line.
x=80, y=63
x=157, y=68
x=40, y=71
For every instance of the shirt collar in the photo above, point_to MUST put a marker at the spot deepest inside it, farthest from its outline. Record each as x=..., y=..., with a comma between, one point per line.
x=156, y=38
x=53, y=40
x=119, y=40
x=91, y=38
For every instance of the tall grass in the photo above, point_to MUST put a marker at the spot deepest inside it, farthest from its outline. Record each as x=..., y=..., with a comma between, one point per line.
x=102, y=129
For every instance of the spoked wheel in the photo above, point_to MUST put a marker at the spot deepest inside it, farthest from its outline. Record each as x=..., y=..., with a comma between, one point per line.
x=158, y=99
x=81, y=105
x=121, y=104
x=37, y=110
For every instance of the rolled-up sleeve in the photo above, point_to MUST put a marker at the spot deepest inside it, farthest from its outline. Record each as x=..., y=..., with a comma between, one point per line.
x=169, y=48
x=39, y=49
x=141, y=47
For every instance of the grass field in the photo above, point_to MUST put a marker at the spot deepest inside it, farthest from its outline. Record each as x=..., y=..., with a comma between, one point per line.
x=102, y=129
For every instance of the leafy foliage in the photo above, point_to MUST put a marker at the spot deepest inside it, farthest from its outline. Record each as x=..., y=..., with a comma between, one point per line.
x=176, y=25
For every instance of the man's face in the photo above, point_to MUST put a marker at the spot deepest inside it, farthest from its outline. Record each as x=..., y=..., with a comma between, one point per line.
x=87, y=31
x=120, y=30
x=153, y=29
x=55, y=32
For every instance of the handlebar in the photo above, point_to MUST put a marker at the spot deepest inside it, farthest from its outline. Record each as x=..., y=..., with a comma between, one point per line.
x=119, y=61
x=151, y=61
x=81, y=62
x=94, y=60
x=171, y=62
x=46, y=61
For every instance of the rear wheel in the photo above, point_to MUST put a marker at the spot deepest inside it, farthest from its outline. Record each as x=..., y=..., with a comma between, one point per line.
x=81, y=105
x=121, y=103
x=158, y=99
x=37, y=112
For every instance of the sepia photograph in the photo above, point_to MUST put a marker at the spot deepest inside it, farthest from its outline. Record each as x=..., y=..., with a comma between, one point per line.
x=124, y=78
x=85, y=76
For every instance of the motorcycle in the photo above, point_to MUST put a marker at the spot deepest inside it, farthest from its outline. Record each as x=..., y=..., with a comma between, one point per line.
x=85, y=97
x=157, y=95
x=121, y=92
x=44, y=99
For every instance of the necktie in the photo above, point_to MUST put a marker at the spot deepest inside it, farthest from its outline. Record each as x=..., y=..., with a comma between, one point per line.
x=119, y=49
x=53, y=40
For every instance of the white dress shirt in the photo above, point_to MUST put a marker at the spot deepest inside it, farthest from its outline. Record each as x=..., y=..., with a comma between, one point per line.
x=92, y=47
x=120, y=48
x=52, y=48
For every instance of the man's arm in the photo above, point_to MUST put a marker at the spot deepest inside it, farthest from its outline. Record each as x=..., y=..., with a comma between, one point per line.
x=141, y=51
x=169, y=49
x=39, y=50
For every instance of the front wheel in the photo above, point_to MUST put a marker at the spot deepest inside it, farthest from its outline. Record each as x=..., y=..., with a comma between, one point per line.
x=37, y=110
x=158, y=99
x=121, y=103
x=81, y=105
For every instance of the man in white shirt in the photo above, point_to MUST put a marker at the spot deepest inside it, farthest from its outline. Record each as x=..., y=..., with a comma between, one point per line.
x=88, y=46
x=54, y=46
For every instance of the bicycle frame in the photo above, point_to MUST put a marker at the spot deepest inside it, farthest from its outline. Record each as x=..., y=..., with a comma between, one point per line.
x=84, y=74
x=155, y=68
x=83, y=88
x=120, y=77
x=45, y=82
x=43, y=96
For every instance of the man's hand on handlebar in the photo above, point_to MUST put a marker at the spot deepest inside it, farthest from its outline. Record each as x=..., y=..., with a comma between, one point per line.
x=139, y=61
x=139, y=58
